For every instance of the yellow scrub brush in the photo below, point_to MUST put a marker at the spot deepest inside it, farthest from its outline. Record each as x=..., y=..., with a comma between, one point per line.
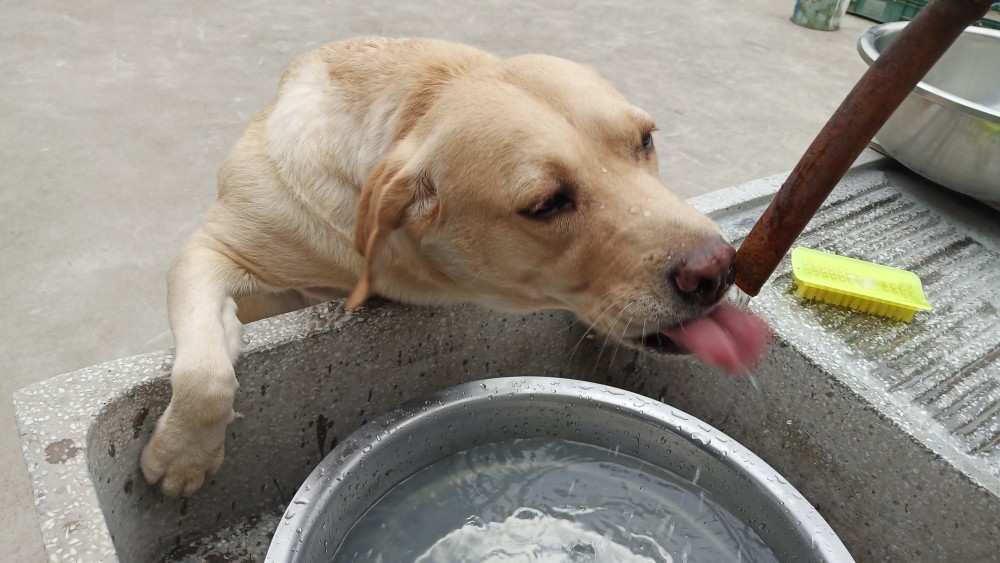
x=869, y=288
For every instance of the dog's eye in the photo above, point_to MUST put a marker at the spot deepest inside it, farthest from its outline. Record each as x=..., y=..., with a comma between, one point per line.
x=647, y=141
x=553, y=205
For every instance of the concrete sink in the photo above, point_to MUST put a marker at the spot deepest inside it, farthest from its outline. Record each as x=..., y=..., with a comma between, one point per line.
x=891, y=430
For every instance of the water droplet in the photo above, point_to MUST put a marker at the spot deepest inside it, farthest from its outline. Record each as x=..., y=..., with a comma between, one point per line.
x=604, y=169
x=697, y=475
x=367, y=448
x=300, y=501
x=289, y=515
x=647, y=213
x=634, y=209
x=703, y=439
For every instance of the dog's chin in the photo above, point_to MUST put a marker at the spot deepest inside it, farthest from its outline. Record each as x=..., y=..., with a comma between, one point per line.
x=654, y=341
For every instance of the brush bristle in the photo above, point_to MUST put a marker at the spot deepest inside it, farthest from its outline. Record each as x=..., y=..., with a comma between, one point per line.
x=858, y=303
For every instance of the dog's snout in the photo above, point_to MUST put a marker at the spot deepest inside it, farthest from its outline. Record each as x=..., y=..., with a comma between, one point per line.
x=704, y=275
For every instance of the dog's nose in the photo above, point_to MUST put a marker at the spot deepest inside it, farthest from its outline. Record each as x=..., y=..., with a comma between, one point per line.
x=704, y=275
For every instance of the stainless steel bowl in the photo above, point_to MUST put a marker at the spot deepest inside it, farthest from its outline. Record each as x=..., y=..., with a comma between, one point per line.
x=382, y=454
x=948, y=128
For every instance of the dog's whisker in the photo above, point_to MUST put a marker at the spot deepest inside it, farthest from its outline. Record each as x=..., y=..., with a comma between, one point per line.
x=572, y=325
x=586, y=333
x=591, y=327
x=606, y=338
x=620, y=339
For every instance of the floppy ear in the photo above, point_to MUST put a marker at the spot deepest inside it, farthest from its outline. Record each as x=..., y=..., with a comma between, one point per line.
x=394, y=186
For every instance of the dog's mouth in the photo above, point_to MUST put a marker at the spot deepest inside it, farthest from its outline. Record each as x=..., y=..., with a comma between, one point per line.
x=658, y=343
x=727, y=337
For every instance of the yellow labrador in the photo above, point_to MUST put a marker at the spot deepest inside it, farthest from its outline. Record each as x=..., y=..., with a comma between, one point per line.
x=434, y=173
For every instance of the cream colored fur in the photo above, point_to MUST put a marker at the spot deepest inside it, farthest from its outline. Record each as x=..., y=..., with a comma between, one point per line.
x=407, y=168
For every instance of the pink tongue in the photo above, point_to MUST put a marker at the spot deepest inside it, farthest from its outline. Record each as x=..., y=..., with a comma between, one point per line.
x=729, y=338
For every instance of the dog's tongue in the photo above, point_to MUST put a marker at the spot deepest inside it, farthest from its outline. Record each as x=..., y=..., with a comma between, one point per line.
x=729, y=338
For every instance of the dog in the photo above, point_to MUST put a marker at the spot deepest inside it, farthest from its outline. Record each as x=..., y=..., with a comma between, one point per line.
x=434, y=173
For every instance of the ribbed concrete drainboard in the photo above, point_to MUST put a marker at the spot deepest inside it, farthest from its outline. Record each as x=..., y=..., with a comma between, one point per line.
x=944, y=366
x=928, y=460
x=890, y=429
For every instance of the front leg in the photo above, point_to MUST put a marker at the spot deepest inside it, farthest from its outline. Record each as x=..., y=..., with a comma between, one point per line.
x=189, y=440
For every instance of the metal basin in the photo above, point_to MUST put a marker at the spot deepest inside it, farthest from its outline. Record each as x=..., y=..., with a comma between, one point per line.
x=948, y=128
x=381, y=454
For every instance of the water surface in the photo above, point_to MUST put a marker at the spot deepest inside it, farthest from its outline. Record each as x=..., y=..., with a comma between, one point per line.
x=548, y=500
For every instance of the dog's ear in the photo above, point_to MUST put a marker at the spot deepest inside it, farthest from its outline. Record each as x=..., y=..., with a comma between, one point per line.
x=395, y=187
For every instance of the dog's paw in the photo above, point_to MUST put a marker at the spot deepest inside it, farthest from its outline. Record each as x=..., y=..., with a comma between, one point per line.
x=182, y=456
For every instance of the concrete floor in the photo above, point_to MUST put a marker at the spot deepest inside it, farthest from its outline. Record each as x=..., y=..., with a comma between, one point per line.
x=115, y=117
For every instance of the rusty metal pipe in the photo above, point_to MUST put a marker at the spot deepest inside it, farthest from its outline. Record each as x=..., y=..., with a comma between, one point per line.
x=868, y=106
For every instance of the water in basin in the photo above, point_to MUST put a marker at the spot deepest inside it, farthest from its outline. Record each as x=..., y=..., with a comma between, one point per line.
x=548, y=500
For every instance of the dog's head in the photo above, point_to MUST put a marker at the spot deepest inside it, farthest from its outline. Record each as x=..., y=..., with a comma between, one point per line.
x=534, y=184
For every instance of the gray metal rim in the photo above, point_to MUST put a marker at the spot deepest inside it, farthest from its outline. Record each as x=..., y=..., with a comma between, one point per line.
x=868, y=52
